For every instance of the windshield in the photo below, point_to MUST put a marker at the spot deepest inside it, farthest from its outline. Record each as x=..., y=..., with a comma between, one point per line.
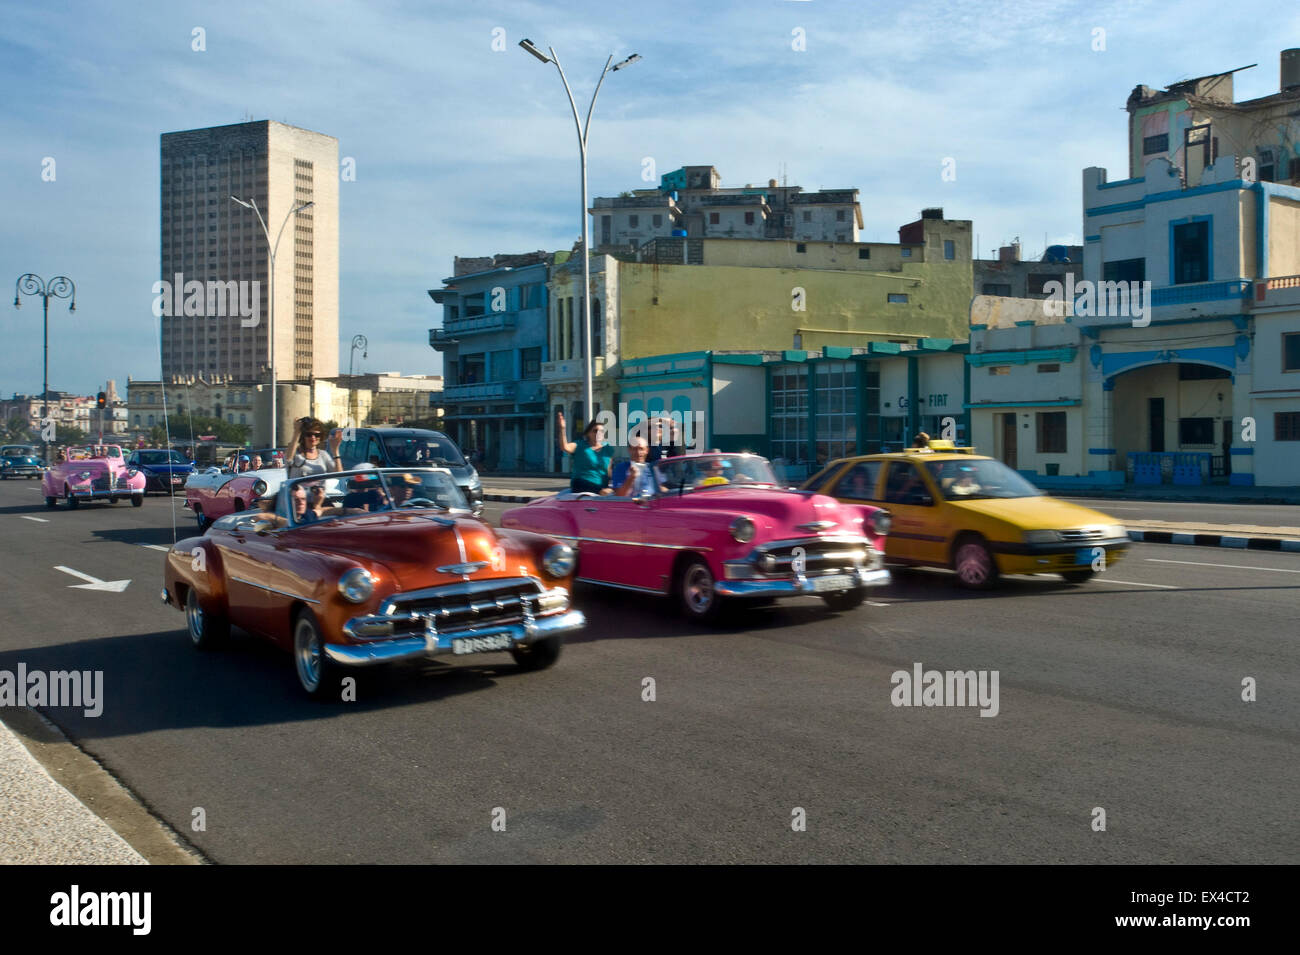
x=368, y=492
x=422, y=449
x=162, y=457
x=16, y=451
x=979, y=478
x=708, y=471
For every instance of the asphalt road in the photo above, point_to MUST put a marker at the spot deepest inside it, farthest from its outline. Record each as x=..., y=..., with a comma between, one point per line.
x=1261, y=515
x=1123, y=694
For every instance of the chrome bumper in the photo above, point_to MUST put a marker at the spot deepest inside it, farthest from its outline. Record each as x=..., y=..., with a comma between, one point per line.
x=83, y=493
x=433, y=644
x=792, y=586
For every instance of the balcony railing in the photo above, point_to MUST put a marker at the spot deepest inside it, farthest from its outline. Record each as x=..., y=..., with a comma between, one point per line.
x=454, y=329
x=1201, y=292
x=1281, y=290
x=570, y=369
x=487, y=391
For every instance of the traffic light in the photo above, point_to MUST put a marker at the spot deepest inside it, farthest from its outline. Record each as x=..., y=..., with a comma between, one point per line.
x=101, y=400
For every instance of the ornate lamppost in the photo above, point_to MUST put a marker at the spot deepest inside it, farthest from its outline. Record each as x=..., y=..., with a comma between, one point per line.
x=58, y=287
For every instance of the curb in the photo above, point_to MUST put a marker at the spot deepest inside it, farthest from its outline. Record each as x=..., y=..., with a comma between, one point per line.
x=1215, y=540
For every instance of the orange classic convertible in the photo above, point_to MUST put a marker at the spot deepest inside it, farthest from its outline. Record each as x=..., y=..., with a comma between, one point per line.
x=396, y=569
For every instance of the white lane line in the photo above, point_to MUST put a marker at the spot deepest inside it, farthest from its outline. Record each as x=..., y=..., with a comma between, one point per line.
x=39, y=520
x=162, y=547
x=1137, y=583
x=1197, y=563
x=875, y=603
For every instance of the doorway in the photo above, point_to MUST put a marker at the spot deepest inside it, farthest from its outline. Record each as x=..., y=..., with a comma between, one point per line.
x=1156, y=424
x=1009, y=440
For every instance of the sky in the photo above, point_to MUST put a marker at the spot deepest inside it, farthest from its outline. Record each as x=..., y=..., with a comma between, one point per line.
x=462, y=148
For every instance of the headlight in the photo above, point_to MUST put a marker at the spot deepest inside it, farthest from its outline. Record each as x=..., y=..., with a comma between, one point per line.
x=742, y=530
x=1114, y=530
x=84, y=476
x=474, y=480
x=132, y=472
x=558, y=561
x=259, y=488
x=1041, y=537
x=881, y=522
x=356, y=585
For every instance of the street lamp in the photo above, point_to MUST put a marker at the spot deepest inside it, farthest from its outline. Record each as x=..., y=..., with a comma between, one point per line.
x=252, y=204
x=358, y=341
x=582, y=129
x=58, y=287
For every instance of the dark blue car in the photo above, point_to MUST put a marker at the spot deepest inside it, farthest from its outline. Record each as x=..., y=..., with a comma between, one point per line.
x=163, y=470
x=20, y=460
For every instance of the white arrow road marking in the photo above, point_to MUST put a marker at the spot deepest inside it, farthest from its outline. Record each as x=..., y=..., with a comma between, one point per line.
x=40, y=520
x=162, y=547
x=94, y=583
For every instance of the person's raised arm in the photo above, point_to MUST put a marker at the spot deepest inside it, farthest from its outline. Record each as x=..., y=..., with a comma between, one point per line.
x=336, y=438
x=568, y=447
x=294, y=441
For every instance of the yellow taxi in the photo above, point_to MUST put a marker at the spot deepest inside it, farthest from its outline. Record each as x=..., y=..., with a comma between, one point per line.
x=973, y=514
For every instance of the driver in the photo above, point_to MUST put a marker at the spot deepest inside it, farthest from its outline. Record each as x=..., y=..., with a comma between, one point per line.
x=713, y=473
x=402, y=486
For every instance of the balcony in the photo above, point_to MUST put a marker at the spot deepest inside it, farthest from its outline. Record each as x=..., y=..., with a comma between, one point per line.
x=1234, y=290
x=569, y=369
x=489, y=391
x=1280, y=291
x=453, y=330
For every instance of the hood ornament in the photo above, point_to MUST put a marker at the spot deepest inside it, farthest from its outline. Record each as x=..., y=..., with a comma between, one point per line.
x=471, y=567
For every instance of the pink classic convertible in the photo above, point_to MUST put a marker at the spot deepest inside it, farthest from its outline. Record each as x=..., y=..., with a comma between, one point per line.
x=717, y=528
x=90, y=472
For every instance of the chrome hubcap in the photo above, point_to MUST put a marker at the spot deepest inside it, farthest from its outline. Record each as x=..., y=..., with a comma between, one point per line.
x=699, y=589
x=973, y=564
x=307, y=651
x=194, y=614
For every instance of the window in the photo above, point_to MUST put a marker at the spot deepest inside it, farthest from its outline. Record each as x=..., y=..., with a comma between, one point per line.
x=897, y=298
x=997, y=288
x=789, y=427
x=606, y=223
x=1192, y=252
x=633, y=221
x=1155, y=144
x=903, y=485
x=532, y=361
x=1196, y=431
x=1051, y=432
x=1195, y=136
x=949, y=249
x=864, y=253
x=503, y=365
x=839, y=215
x=714, y=218
x=749, y=218
x=807, y=216
x=1124, y=270
x=1286, y=426
x=906, y=253
x=658, y=221
x=1035, y=281
x=859, y=482
x=800, y=247
x=1048, y=369
x=1291, y=351
x=999, y=369
x=836, y=425
x=1267, y=171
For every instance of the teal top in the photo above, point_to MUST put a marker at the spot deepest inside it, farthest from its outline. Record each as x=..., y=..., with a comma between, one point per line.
x=592, y=464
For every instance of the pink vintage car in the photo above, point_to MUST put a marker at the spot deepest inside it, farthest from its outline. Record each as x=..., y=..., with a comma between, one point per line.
x=715, y=528
x=93, y=472
x=216, y=492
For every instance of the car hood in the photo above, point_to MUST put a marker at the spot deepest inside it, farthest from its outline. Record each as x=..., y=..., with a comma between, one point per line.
x=1035, y=513
x=412, y=545
x=784, y=509
x=166, y=468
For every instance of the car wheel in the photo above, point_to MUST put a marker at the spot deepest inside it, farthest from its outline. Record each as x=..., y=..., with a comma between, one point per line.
x=70, y=498
x=112, y=499
x=137, y=500
x=203, y=522
x=975, y=566
x=318, y=676
x=695, y=589
x=845, y=599
x=51, y=502
x=207, y=630
x=1078, y=576
x=539, y=654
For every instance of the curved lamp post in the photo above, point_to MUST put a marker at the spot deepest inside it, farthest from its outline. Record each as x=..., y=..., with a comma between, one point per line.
x=58, y=287
x=589, y=408
x=270, y=299
x=358, y=341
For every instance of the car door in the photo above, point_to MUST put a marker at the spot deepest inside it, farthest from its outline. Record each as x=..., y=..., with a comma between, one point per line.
x=610, y=532
x=914, y=535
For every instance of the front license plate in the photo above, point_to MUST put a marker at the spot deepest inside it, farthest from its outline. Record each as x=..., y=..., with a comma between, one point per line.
x=837, y=582
x=176, y=480
x=481, y=644
x=1086, y=555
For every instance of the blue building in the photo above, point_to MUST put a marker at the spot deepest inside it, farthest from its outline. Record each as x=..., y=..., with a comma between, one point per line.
x=494, y=339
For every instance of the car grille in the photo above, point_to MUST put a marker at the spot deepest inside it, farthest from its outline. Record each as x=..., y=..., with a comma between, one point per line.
x=821, y=556
x=466, y=606
x=99, y=482
x=1083, y=534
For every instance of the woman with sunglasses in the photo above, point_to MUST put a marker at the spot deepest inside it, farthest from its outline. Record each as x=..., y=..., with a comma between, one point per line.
x=591, y=461
x=305, y=454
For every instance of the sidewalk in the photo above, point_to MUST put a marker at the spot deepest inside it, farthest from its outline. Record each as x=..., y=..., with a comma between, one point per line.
x=522, y=490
